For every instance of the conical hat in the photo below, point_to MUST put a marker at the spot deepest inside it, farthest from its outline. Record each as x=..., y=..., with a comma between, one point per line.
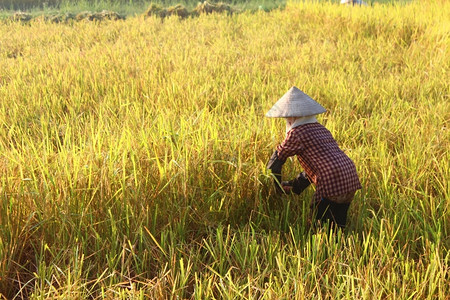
x=295, y=103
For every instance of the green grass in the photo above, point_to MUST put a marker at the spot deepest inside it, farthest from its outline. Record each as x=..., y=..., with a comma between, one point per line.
x=132, y=155
x=133, y=7
x=126, y=8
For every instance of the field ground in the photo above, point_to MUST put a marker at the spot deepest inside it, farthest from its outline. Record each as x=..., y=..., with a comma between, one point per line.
x=132, y=155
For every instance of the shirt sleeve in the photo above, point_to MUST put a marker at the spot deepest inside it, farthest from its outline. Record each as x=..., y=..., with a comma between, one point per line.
x=290, y=146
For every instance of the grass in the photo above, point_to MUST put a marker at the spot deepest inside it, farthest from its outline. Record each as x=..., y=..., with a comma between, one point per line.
x=132, y=155
x=132, y=8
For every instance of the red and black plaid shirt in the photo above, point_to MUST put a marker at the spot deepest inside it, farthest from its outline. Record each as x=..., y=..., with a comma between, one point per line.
x=326, y=165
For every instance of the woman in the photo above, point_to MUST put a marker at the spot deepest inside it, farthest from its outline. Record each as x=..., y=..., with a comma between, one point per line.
x=324, y=163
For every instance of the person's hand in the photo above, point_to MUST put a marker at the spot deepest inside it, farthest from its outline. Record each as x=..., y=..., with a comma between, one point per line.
x=286, y=188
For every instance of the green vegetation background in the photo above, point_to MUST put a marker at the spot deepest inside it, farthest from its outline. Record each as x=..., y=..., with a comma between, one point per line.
x=131, y=7
x=124, y=6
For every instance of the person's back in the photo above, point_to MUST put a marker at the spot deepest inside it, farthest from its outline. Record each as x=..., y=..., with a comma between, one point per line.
x=325, y=164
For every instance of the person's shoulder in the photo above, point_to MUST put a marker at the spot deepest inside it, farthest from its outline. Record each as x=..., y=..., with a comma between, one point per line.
x=312, y=130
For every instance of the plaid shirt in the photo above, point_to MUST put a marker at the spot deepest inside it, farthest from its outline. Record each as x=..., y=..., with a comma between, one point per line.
x=326, y=165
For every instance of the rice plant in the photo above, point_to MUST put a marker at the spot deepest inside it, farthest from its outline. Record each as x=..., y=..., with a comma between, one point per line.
x=133, y=152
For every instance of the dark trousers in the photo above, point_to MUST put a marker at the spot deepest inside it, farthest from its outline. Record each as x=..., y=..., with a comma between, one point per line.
x=332, y=212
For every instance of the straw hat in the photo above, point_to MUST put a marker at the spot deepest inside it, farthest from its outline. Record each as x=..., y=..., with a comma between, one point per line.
x=295, y=103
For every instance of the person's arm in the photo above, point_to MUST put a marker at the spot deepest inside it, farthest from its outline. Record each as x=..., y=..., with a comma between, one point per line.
x=275, y=165
x=290, y=147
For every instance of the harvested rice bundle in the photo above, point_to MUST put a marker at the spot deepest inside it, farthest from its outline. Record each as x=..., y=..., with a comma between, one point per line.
x=178, y=10
x=156, y=10
x=54, y=19
x=98, y=16
x=208, y=8
x=60, y=18
x=21, y=17
x=68, y=17
x=84, y=15
x=109, y=15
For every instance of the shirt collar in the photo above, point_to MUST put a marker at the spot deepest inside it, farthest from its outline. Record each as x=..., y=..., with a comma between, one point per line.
x=300, y=121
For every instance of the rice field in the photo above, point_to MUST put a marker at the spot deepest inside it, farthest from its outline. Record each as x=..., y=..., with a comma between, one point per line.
x=133, y=153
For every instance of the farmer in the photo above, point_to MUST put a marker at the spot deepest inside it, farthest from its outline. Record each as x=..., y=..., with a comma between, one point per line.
x=354, y=2
x=324, y=164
